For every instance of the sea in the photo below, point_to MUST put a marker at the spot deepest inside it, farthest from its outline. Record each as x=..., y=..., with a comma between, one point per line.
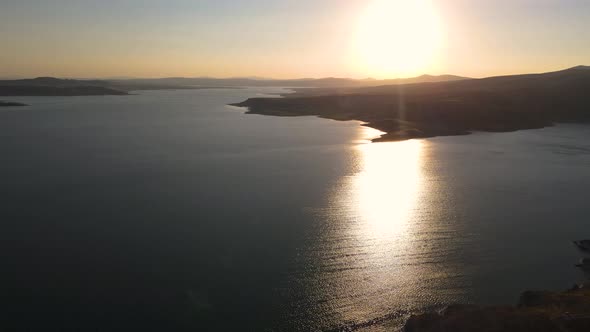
x=173, y=211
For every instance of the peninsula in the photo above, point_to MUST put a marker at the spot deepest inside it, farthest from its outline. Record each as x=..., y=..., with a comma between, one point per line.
x=457, y=107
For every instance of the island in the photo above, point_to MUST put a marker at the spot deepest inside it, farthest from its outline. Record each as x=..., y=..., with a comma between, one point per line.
x=11, y=103
x=456, y=107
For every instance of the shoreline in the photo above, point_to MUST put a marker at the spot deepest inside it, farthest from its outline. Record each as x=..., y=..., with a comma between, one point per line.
x=408, y=132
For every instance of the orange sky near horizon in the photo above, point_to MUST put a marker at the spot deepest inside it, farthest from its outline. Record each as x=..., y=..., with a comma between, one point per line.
x=291, y=39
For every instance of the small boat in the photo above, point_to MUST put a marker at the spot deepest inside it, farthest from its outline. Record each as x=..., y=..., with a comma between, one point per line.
x=583, y=245
x=584, y=264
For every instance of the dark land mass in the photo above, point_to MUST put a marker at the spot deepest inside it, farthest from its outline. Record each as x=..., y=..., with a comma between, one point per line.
x=11, y=103
x=405, y=111
x=537, y=311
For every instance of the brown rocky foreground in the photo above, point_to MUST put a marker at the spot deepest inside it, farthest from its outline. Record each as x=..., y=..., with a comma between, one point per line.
x=537, y=311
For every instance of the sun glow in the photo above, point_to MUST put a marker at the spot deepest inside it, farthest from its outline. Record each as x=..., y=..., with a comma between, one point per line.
x=398, y=38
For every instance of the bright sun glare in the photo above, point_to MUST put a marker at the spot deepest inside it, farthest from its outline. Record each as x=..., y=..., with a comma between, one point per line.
x=398, y=37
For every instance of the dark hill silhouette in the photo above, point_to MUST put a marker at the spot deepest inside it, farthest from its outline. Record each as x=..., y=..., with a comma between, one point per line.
x=403, y=111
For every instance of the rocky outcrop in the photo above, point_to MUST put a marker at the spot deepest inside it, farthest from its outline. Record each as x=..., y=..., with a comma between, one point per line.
x=537, y=311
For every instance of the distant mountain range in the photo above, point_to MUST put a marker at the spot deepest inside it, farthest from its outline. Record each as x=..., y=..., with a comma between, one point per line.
x=303, y=83
x=50, y=86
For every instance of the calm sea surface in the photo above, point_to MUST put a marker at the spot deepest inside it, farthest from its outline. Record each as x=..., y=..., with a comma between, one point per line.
x=169, y=210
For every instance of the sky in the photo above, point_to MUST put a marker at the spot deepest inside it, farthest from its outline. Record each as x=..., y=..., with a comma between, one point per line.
x=290, y=38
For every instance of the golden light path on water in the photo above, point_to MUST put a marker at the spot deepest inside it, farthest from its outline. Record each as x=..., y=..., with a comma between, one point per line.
x=385, y=194
x=386, y=248
x=387, y=188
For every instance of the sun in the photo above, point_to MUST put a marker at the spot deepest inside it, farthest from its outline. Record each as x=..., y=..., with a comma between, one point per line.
x=398, y=38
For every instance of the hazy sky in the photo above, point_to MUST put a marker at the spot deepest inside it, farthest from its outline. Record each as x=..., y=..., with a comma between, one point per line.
x=278, y=38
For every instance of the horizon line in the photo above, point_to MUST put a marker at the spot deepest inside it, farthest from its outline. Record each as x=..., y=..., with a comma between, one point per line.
x=256, y=78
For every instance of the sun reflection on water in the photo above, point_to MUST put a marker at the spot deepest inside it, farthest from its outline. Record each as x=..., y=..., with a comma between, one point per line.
x=372, y=234
x=387, y=188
